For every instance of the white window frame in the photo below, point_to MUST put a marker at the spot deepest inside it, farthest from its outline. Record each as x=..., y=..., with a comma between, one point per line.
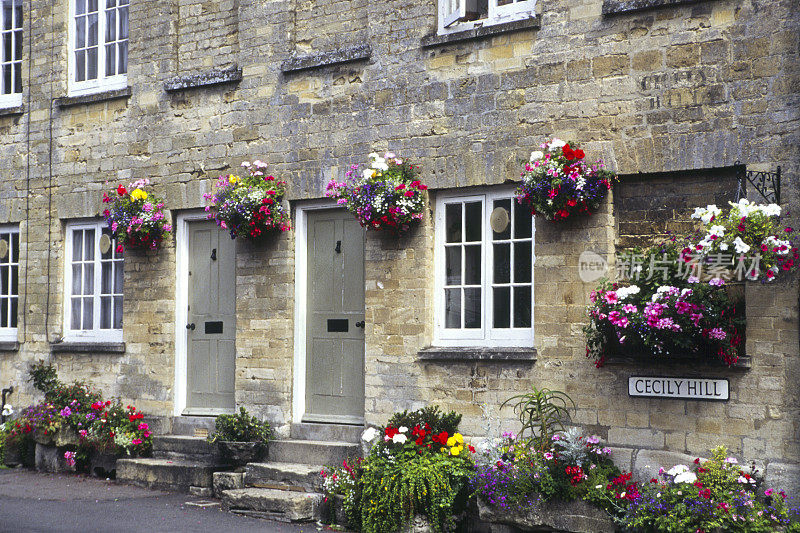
x=9, y=333
x=102, y=82
x=453, y=14
x=12, y=99
x=95, y=334
x=486, y=335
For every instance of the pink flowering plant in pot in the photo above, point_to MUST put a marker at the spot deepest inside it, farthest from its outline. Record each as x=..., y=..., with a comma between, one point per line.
x=665, y=316
x=135, y=217
x=386, y=195
x=749, y=240
x=251, y=205
x=558, y=182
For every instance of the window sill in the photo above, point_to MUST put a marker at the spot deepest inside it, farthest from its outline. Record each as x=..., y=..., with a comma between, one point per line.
x=231, y=74
x=87, y=347
x=500, y=355
x=342, y=55
x=9, y=346
x=531, y=23
x=12, y=111
x=645, y=360
x=613, y=7
x=100, y=96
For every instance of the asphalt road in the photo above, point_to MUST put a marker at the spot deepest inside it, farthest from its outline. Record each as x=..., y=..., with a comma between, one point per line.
x=35, y=502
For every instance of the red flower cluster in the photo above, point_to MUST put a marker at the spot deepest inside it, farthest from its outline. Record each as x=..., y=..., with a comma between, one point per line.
x=575, y=474
x=622, y=487
x=419, y=434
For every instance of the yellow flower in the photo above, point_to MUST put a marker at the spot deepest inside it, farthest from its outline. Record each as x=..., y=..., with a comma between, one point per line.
x=455, y=450
x=232, y=179
x=139, y=194
x=451, y=441
x=459, y=438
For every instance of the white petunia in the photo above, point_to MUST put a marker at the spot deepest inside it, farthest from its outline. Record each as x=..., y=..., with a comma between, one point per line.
x=402, y=429
x=771, y=210
x=556, y=144
x=399, y=438
x=717, y=230
x=8, y=410
x=369, y=434
x=741, y=246
x=624, y=292
x=685, y=477
x=367, y=173
x=536, y=155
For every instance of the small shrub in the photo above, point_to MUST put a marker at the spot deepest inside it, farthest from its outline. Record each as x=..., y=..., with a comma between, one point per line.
x=429, y=415
x=241, y=427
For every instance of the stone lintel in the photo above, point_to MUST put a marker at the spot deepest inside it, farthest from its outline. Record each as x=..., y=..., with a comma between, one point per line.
x=87, y=347
x=532, y=23
x=204, y=79
x=9, y=346
x=334, y=57
x=102, y=96
x=511, y=355
x=612, y=7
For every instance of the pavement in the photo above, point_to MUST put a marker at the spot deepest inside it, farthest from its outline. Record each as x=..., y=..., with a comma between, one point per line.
x=34, y=502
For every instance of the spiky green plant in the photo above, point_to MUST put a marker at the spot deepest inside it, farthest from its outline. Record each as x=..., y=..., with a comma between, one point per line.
x=542, y=413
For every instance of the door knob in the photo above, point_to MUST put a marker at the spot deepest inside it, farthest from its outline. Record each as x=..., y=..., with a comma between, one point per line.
x=360, y=324
x=190, y=326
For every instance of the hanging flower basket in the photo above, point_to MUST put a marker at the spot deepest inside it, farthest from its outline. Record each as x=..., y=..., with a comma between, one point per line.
x=135, y=217
x=386, y=196
x=558, y=183
x=749, y=242
x=249, y=206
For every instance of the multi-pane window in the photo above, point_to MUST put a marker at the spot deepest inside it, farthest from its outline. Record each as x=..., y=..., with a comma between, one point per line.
x=484, y=263
x=94, y=284
x=11, y=54
x=465, y=14
x=99, y=42
x=9, y=282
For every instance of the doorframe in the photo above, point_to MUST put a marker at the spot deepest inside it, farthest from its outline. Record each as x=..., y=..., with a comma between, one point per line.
x=180, y=394
x=300, y=296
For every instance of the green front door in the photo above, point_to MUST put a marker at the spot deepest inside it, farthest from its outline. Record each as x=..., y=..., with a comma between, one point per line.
x=211, y=324
x=335, y=318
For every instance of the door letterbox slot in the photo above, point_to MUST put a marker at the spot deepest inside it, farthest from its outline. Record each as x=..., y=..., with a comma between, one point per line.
x=338, y=325
x=213, y=327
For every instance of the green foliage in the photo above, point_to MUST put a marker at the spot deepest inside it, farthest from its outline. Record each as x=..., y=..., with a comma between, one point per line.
x=396, y=488
x=430, y=415
x=241, y=427
x=542, y=413
x=43, y=376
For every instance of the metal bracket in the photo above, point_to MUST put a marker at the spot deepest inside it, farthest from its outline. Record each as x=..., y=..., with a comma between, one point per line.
x=768, y=184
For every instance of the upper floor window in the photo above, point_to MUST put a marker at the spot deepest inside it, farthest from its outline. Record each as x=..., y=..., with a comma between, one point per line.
x=11, y=54
x=9, y=282
x=98, y=45
x=94, y=275
x=484, y=271
x=457, y=15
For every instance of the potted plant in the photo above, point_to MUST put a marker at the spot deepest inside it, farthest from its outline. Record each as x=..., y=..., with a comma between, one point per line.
x=558, y=183
x=249, y=206
x=136, y=218
x=241, y=438
x=387, y=195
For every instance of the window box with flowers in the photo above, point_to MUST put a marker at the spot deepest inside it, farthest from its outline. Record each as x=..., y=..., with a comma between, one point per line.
x=558, y=183
x=249, y=206
x=387, y=196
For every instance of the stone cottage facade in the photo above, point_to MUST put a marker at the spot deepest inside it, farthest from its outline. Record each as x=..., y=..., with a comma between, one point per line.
x=670, y=93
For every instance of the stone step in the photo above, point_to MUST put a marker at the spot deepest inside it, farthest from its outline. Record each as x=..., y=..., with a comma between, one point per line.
x=310, y=452
x=326, y=432
x=281, y=505
x=285, y=476
x=190, y=425
x=160, y=473
x=185, y=447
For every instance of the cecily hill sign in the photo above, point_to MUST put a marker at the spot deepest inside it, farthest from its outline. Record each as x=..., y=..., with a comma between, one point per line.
x=687, y=388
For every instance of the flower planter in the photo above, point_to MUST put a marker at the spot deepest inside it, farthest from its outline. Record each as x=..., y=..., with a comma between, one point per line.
x=241, y=453
x=20, y=454
x=576, y=517
x=103, y=465
x=45, y=439
x=51, y=459
x=66, y=436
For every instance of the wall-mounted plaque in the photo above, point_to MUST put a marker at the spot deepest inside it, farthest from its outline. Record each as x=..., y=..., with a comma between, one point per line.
x=685, y=388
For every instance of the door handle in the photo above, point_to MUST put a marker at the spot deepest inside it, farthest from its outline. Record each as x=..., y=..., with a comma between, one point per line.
x=360, y=324
x=190, y=326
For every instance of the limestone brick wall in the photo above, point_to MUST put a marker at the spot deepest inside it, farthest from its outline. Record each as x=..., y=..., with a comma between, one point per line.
x=674, y=88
